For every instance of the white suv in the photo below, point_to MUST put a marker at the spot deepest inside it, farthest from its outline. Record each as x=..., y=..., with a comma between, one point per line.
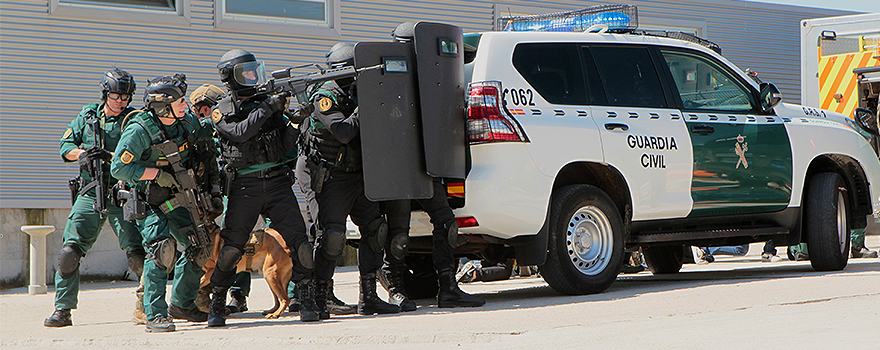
x=584, y=145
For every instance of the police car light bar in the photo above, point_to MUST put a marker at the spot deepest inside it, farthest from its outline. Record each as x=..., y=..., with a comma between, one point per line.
x=612, y=18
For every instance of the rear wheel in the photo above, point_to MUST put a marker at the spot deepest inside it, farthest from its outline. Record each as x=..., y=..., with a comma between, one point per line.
x=664, y=259
x=586, y=241
x=419, y=279
x=827, y=224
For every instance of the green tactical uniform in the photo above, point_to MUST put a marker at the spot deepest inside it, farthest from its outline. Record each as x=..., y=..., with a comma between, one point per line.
x=84, y=224
x=132, y=157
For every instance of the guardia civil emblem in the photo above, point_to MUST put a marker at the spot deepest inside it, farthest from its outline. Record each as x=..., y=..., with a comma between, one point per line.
x=740, y=149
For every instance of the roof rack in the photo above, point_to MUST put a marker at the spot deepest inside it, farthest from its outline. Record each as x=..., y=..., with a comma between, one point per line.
x=680, y=36
x=617, y=18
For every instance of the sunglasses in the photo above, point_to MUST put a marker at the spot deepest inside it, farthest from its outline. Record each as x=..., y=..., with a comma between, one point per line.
x=119, y=97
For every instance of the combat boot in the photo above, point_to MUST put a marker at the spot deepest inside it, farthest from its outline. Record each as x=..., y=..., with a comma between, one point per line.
x=396, y=292
x=450, y=295
x=192, y=315
x=204, y=298
x=308, y=311
x=369, y=302
x=336, y=306
x=321, y=298
x=863, y=252
x=160, y=324
x=138, y=316
x=295, y=306
x=238, y=302
x=59, y=318
x=217, y=309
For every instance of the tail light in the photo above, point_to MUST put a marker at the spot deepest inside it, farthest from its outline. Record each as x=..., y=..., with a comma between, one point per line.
x=488, y=121
x=467, y=221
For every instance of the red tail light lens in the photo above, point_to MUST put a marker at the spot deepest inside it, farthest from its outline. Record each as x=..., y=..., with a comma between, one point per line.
x=487, y=120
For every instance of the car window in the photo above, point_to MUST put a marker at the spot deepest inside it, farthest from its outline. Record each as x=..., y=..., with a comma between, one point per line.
x=704, y=85
x=629, y=76
x=553, y=70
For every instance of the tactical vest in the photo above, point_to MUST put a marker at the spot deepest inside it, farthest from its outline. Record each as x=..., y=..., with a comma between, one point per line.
x=111, y=135
x=321, y=143
x=151, y=158
x=270, y=145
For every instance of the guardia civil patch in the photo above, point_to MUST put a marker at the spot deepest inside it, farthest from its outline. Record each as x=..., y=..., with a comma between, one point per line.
x=216, y=115
x=324, y=104
x=126, y=157
x=67, y=133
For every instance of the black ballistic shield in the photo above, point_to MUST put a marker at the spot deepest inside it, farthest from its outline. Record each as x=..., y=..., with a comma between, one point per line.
x=388, y=114
x=440, y=61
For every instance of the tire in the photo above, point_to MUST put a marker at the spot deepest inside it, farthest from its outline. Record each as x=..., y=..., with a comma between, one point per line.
x=585, y=250
x=827, y=222
x=420, y=279
x=664, y=259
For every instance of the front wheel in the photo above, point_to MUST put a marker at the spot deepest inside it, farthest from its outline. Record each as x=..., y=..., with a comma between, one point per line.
x=827, y=222
x=585, y=251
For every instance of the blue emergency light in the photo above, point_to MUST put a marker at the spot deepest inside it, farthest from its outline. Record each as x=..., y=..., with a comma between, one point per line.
x=616, y=18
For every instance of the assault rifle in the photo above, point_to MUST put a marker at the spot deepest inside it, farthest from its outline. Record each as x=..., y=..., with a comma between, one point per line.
x=284, y=82
x=96, y=171
x=189, y=196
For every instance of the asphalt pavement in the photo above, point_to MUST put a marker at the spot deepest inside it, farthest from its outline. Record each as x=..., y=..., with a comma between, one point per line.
x=733, y=303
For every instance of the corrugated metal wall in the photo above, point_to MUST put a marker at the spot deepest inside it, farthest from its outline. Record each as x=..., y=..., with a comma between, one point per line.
x=50, y=65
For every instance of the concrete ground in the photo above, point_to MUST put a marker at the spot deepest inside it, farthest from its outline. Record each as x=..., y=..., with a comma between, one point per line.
x=733, y=303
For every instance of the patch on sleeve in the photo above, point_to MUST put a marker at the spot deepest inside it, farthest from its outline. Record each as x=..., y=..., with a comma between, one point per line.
x=67, y=133
x=324, y=104
x=126, y=157
x=216, y=115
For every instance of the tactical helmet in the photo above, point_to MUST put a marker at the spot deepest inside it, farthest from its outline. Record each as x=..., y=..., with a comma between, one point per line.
x=208, y=94
x=118, y=81
x=404, y=32
x=162, y=91
x=341, y=53
x=241, y=71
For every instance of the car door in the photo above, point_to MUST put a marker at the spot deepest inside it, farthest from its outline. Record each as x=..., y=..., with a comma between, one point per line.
x=642, y=136
x=742, y=160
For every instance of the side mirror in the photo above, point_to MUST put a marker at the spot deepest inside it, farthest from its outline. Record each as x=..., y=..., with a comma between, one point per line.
x=770, y=97
x=866, y=120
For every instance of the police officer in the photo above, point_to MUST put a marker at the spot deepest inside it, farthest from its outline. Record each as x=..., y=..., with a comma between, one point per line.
x=256, y=140
x=165, y=224
x=202, y=100
x=334, y=169
x=84, y=223
x=445, y=236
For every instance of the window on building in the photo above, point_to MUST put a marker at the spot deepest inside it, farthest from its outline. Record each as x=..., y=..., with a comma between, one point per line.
x=151, y=11
x=629, y=76
x=557, y=77
x=317, y=17
x=704, y=85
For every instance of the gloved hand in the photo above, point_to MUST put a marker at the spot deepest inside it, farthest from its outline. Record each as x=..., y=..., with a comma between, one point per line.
x=165, y=179
x=91, y=154
x=276, y=102
x=96, y=152
x=303, y=111
x=217, y=204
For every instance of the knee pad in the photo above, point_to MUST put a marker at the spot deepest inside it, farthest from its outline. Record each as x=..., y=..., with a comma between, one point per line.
x=228, y=258
x=136, y=261
x=305, y=252
x=452, y=233
x=398, y=245
x=68, y=260
x=164, y=253
x=331, y=242
x=376, y=234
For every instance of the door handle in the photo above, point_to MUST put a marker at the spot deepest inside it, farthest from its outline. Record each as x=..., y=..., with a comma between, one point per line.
x=612, y=126
x=702, y=129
